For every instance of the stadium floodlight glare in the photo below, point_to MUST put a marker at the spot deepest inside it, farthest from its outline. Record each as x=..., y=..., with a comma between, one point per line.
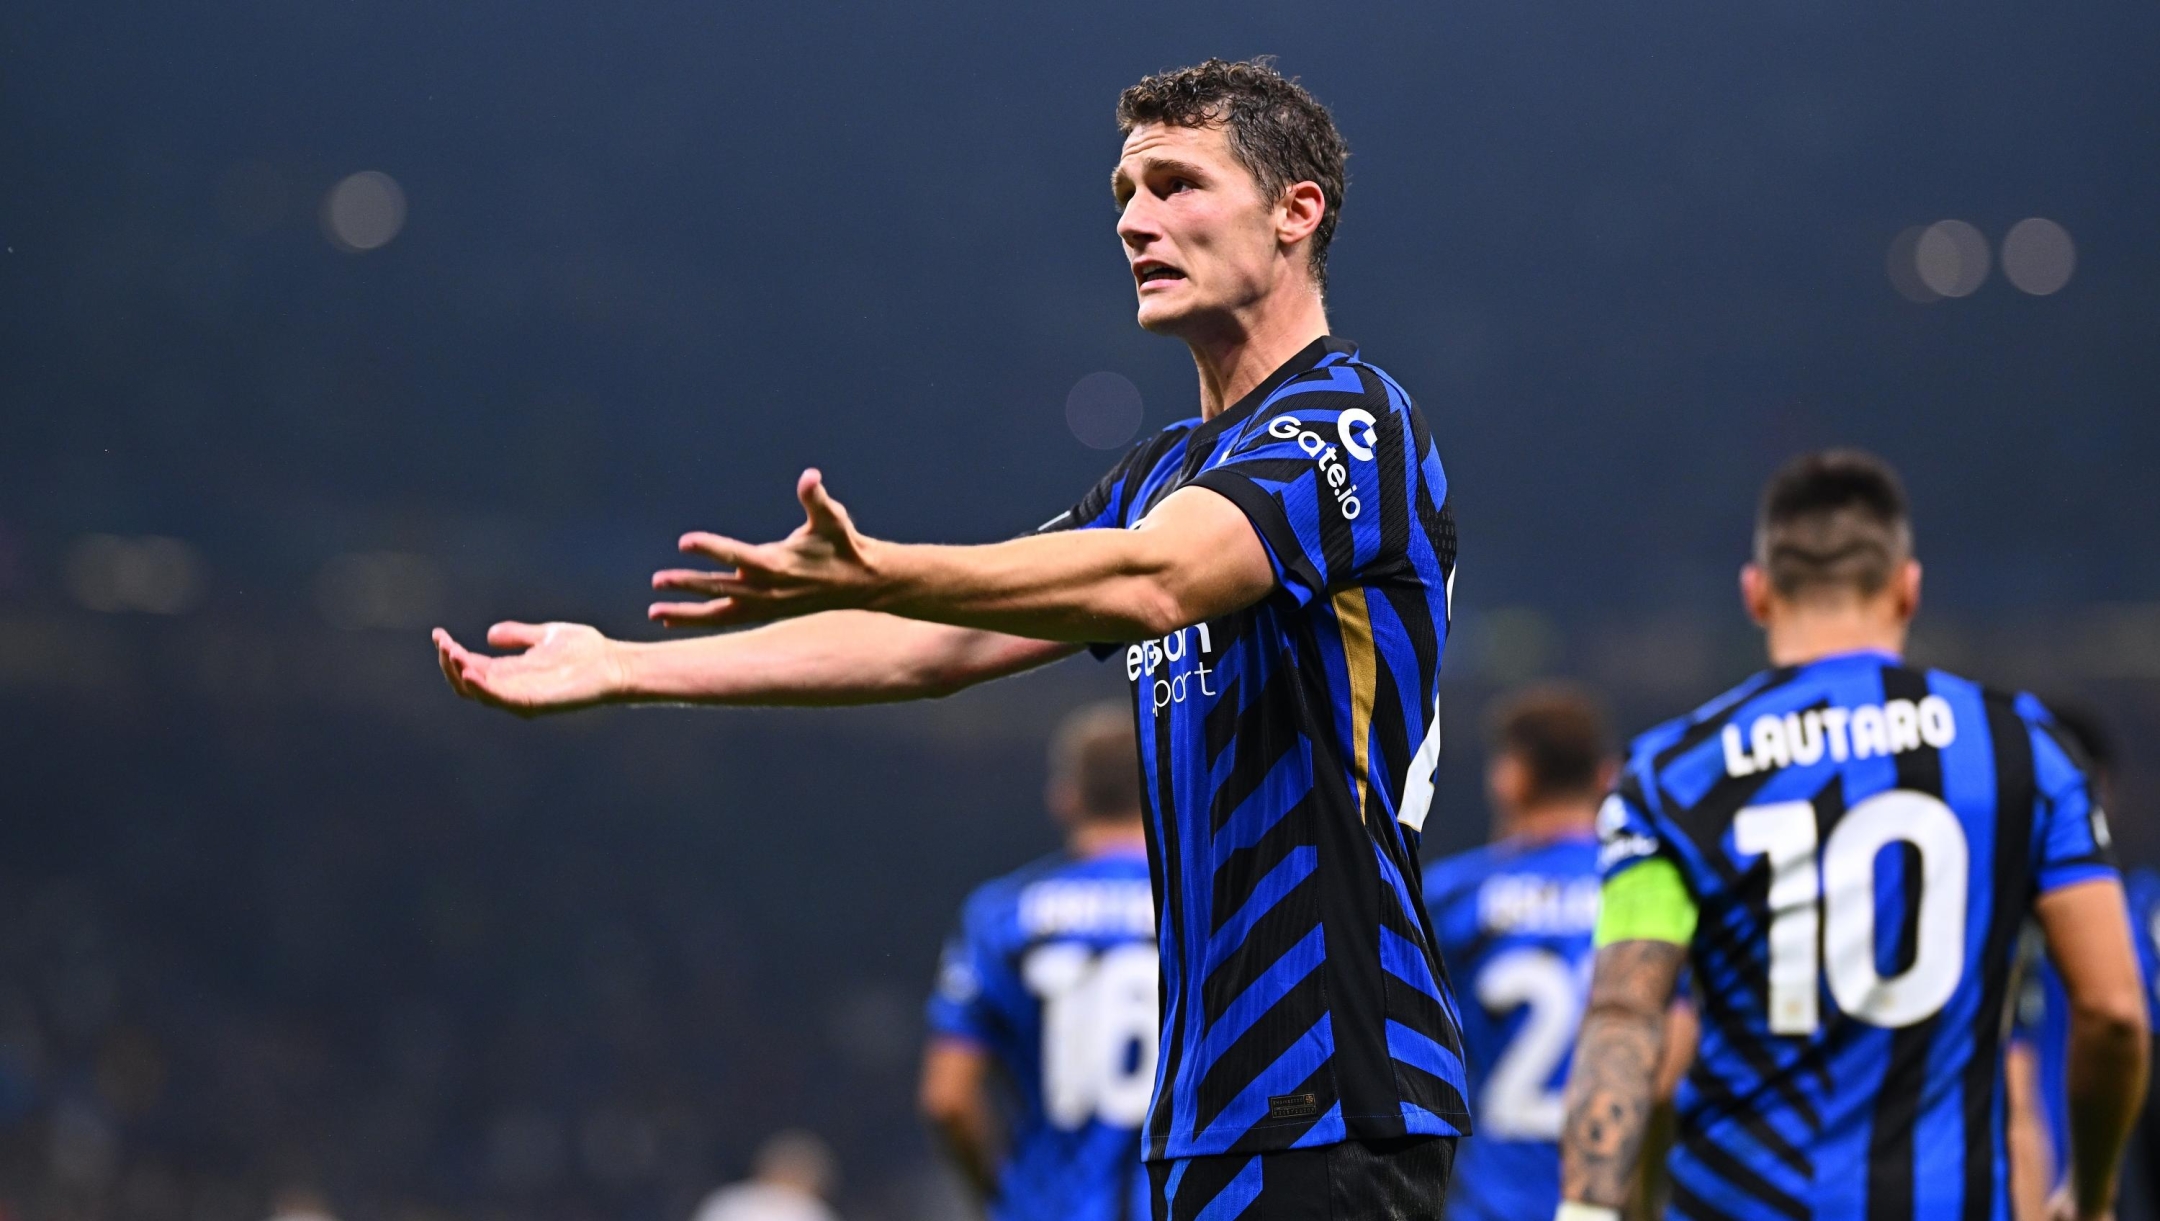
x=363, y=211
x=1103, y=410
x=2038, y=256
x=1951, y=258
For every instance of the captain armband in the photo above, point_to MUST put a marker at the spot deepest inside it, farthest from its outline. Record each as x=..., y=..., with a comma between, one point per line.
x=1647, y=902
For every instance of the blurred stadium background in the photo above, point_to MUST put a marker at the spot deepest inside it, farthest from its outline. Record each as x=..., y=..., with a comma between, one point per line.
x=327, y=322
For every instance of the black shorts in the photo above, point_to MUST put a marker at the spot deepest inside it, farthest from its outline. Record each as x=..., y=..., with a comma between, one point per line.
x=1385, y=1180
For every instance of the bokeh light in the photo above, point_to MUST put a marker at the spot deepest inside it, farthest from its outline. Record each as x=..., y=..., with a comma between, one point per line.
x=2038, y=256
x=151, y=575
x=1905, y=271
x=379, y=589
x=1951, y=258
x=1103, y=410
x=363, y=211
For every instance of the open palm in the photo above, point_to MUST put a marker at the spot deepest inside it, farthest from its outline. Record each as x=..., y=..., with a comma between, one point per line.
x=557, y=667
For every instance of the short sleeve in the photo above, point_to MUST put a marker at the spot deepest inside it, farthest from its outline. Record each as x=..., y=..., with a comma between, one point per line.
x=1104, y=505
x=1627, y=835
x=1328, y=472
x=959, y=1005
x=2073, y=841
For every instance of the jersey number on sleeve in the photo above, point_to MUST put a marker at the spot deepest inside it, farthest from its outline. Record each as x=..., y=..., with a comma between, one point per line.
x=1826, y=918
x=1518, y=1101
x=1098, y=1031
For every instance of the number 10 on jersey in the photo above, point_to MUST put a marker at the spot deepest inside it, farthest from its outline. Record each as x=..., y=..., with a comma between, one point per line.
x=1822, y=908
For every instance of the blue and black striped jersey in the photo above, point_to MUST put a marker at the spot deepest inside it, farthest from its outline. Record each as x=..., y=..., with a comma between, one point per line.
x=1052, y=972
x=1289, y=752
x=1514, y=920
x=1863, y=842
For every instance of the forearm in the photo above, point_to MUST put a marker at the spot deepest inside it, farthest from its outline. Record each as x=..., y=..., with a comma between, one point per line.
x=968, y=1136
x=2106, y=1071
x=2031, y=1160
x=835, y=658
x=1194, y=557
x=1079, y=586
x=1610, y=1093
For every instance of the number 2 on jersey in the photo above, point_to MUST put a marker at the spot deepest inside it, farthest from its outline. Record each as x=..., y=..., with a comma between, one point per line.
x=1518, y=1102
x=1822, y=919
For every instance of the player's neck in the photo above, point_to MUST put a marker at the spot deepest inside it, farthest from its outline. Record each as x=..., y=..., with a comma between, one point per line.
x=1551, y=821
x=1092, y=839
x=1805, y=636
x=1236, y=353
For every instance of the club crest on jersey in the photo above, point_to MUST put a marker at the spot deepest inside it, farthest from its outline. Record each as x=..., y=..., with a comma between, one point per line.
x=1616, y=842
x=1802, y=739
x=1357, y=430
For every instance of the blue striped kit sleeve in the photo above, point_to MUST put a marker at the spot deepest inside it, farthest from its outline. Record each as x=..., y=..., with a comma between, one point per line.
x=1864, y=842
x=1289, y=752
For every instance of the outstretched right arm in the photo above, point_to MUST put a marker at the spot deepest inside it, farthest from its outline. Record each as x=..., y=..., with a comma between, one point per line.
x=833, y=658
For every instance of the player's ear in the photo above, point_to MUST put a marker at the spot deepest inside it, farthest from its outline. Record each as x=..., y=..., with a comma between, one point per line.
x=1755, y=593
x=1508, y=781
x=1298, y=213
x=1608, y=775
x=1907, y=585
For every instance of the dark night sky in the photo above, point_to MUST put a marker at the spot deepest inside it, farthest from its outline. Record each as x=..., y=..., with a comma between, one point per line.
x=655, y=262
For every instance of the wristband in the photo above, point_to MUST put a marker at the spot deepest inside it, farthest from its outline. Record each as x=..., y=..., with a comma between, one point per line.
x=1572, y=1210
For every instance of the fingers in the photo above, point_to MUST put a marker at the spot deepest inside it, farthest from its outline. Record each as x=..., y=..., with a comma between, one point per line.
x=513, y=635
x=718, y=547
x=715, y=613
x=696, y=581
x=825, y=514
x=446, y=651
x=718, y=612
x=466, y=670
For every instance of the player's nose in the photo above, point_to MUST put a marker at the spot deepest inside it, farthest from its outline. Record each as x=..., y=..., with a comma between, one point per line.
x=1135, y=226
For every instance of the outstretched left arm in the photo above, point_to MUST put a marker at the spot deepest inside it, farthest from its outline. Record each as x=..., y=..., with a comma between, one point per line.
x=1614, y=1083
x=1194, y=557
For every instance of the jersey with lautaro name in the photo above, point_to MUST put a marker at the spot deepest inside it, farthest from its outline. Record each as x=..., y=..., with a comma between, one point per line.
x=1862, y=842
x=1514, y=920
x=2043, y=1009
x=1288, y=752
x=1052, y=971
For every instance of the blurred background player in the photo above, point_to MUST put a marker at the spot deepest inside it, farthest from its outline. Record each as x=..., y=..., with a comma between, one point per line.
x=790, y=1178
x=2037, y=1064
x=1051, y=984
x=1514, y=920
x=1842, y=850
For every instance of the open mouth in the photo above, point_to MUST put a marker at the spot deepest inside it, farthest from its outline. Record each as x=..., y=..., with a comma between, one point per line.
x=1149, y=273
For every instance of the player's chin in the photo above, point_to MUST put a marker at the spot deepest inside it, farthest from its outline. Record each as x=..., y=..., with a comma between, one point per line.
x=1162, y=317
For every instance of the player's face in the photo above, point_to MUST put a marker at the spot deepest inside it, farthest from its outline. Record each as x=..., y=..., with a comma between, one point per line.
x=1201, y=241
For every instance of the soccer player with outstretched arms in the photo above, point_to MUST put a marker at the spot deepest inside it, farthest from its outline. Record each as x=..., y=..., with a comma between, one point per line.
x=1272, y=575
x=1047, y=993
x=1841, y=850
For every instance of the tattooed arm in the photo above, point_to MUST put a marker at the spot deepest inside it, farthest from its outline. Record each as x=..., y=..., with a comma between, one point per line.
x=1613, y=1085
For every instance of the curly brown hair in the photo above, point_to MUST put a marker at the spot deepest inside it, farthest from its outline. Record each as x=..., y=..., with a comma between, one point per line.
x=1281, y=134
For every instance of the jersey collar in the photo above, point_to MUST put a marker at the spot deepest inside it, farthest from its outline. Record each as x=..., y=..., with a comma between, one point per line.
x=1203, y=437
